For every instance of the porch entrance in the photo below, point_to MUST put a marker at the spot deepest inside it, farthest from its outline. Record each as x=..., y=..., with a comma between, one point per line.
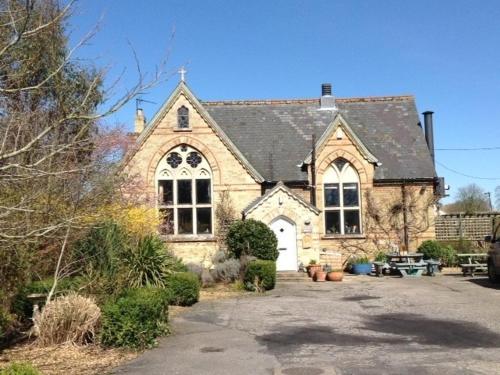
x=286, y=233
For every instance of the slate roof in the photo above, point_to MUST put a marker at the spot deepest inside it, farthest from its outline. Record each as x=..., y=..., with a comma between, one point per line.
x=275, y=135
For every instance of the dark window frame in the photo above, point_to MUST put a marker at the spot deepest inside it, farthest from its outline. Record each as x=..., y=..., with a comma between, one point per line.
x=183, y=118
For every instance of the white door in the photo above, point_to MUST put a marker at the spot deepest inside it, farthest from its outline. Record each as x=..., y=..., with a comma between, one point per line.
x=287, y=244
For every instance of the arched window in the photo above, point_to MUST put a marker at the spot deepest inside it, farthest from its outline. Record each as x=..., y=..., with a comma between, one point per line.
x=185, y=192
x=342, y=200
x=183, y=118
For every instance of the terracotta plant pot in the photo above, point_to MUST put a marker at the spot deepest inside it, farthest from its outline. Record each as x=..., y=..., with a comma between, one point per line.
x=319, y=275
x=335, y=275
x=312, y=268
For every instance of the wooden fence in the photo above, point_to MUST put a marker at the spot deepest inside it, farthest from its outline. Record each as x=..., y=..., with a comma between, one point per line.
x=474, y=227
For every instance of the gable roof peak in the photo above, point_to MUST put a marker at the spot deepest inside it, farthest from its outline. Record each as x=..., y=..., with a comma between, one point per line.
x=279, y=187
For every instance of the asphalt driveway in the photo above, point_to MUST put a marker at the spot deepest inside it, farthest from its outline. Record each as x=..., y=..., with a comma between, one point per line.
x=364, y=325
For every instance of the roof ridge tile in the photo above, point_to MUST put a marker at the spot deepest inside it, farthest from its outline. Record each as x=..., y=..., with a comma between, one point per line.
x=365, y=99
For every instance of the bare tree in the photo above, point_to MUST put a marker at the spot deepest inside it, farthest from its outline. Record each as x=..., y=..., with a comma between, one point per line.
x=469, y=199
x=52, y=170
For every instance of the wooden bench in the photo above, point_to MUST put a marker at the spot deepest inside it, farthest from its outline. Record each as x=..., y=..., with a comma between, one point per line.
x=475, y=263
x=472, y=268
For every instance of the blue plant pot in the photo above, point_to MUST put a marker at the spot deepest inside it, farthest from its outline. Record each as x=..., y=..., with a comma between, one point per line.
x=362, y=268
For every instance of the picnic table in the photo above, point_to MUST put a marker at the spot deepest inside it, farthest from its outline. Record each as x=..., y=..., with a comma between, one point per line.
x=408, y=265
x=472, y=263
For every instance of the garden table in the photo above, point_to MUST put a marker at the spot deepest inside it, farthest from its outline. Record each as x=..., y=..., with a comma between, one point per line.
x=410, y=264
x=470, y=263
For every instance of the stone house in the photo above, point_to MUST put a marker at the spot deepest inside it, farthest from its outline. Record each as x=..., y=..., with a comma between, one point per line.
x=328, y=175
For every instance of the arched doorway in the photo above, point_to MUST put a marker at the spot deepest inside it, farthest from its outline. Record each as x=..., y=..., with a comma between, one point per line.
x=286, y=232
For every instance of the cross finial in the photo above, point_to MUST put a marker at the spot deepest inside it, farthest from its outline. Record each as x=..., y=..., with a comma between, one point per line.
x=182, y=72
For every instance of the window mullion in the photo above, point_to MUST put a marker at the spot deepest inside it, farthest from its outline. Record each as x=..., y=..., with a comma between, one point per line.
x=174, y=211
x=341, y=207
x=193, y=200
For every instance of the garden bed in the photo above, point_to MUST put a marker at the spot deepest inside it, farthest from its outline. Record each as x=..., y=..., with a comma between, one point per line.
x=67, y=358
x=93, y=359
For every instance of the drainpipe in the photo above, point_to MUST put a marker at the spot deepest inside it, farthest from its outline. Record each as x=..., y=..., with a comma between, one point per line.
x=406, y=236
x=313, y=171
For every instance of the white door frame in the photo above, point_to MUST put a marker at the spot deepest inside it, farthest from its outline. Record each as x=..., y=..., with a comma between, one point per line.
x=288, y=244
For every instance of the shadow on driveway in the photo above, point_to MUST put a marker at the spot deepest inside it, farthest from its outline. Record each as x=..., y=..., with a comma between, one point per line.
x=395, y=329
x=484, y=282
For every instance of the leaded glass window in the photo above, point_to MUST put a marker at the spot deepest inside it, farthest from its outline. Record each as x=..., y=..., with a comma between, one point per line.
x=174, y=159
x=185, y=193
x=342, y=199
x=193, y=159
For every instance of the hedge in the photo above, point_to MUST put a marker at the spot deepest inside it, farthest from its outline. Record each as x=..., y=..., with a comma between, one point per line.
x=252, y=237
x=136, y=318
x=184, y=288
x=264, y=270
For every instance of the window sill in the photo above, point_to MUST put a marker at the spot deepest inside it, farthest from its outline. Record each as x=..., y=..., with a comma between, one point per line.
x=183, y=130
x=343, y=237
x=189, y=238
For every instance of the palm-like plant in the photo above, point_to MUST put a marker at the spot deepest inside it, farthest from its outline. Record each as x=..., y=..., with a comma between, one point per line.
x=148, y=263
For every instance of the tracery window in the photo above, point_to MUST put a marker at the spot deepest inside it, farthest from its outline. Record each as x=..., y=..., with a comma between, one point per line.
x=185, y=192
x=342, y=199
x=183, y=118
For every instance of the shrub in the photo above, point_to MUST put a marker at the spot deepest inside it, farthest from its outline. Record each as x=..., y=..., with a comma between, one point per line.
x=184, y=288
x=380, y=257
x=70, y=318
x=19, y=368
x=148, y=264
x=135, y=319
x=100, y=250
x=434, y=250
x=195, y=268
x=252, y=237
x=219, y=257
x=260, y=275
x=360, y=259
x=227, y=271
x=5, y=323
x=206, y=278
x=116, y=260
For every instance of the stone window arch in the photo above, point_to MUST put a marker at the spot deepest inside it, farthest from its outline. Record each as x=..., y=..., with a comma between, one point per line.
x=342, y=200
x=183, y=118
x=184, y=186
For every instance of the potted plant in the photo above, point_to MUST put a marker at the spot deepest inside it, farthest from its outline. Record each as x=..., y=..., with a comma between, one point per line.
x=335, y=275
x=313, y=267
x=361, y=265
x=319, y=274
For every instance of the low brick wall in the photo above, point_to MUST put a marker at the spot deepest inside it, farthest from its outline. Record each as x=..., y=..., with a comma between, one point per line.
x=332, y=258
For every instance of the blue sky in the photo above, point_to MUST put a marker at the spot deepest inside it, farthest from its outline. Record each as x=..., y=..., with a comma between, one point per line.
x=446, y=53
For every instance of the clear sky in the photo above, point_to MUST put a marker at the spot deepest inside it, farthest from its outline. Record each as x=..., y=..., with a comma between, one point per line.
x=446, y=53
